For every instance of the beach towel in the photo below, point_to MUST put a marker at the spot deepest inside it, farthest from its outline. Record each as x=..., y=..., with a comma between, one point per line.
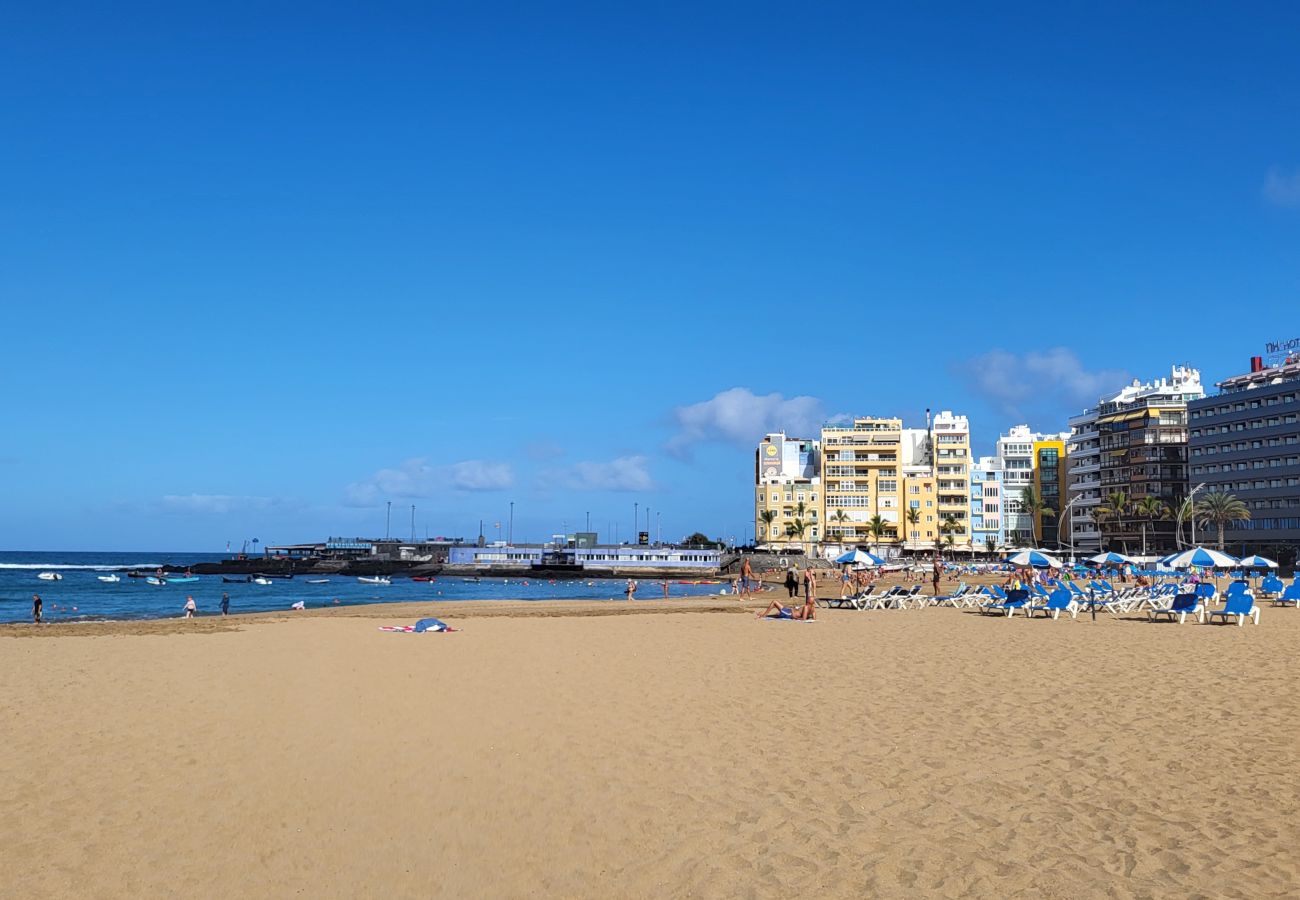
x=421, y=627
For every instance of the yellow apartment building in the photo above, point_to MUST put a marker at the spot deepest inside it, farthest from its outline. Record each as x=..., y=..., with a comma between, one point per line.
x=789, y=506
x=862, y=473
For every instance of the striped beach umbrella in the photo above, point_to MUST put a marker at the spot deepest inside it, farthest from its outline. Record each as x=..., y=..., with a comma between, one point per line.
x=1036, y=558
x=1256, y=562
x=859, y=558
x=1201, y=557
x=1109, y=559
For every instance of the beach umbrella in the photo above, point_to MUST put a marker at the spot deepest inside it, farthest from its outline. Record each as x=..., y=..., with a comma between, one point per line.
x=1035, y=558
x=1202, y=557
x=859, y=558
x=1110, y=558
x=1256, y=562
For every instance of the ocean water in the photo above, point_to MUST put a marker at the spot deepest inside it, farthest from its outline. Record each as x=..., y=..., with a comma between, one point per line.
x=80, y=596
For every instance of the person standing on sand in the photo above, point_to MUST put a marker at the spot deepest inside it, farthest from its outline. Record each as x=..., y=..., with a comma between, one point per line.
x=225, y=604
x=631, y=589
x=938, y=573
x=809, y=585
x=792, y=582
x=190, y=608
x=37, y=608
x=746, y=577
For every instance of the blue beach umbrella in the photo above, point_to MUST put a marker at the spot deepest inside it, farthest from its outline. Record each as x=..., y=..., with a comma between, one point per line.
x=859, y=558
x=1202, y=557
x=1256, y=562
x=1035, y=558
x=1110, y=558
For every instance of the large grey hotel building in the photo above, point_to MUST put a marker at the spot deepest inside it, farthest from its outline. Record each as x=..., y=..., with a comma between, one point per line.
x=1245, y=441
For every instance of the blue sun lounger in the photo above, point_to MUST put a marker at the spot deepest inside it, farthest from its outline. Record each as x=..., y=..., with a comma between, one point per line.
x=1237, y=603
x=1290, y=595
x=1060, y=600
x=1009, y=602
x=1184, y=605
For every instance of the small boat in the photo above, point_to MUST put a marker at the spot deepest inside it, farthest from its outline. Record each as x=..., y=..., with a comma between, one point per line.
x=228, y=580
x=152, y=579
x=137, y=575
x=421, y=578
x=109, y=579
x=183, y=579
x=262, y=580
x=50, y=576
x=380, y=580
x=269, y=575
x=318, y=581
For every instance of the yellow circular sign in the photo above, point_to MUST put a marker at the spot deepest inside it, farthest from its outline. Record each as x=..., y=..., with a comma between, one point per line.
x=771, y=449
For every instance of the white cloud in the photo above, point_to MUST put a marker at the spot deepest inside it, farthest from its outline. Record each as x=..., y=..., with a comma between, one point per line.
x=1282, y=188
x=417, y=478
x=626, y=473
x=739, y=416
x=213, y=504
x=1053, y=380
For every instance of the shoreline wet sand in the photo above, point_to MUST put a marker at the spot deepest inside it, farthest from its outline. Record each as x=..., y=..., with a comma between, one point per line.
x=651, y=749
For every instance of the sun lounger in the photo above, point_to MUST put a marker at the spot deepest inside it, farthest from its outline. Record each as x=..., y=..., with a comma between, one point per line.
x=1237, y=603
x=1184, y=605
x=1290, y=595
x=1010, y=602
x=1058, y=601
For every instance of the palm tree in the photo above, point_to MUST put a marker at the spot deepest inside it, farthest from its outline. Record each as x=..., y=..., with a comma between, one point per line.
x=878, y=528
x=1221, y=510
x=913, y=516
x=1113, y=509
x=1150, y=509
x=1032, y=503
x=946, y=528
x=991, y=545
x=768, y=516
x=840, y=518
x=800, y=527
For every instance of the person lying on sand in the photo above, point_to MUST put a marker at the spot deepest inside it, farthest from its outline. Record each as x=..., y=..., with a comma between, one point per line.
x=776, y=611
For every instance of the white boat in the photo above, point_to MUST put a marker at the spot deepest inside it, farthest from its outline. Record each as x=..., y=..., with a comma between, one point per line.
x=50, y=576
x=318, y=581
x=260, y=580
x=380, y=580
x=109, y=579
x=154, y=580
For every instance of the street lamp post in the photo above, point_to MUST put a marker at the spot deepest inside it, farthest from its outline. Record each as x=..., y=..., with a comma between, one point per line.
x=1061, y=522
x=1191, y=507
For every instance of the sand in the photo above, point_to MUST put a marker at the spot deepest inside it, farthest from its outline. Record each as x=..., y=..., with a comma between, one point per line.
x=686, y=750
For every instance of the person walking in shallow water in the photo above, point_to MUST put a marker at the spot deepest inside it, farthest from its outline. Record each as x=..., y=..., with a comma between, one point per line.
x=190, y=608
x=37, y=608
x=225, y=604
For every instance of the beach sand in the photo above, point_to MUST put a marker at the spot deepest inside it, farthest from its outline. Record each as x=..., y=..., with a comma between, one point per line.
x=687, y=750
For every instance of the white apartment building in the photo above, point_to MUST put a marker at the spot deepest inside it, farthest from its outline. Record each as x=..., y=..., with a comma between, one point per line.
x=1133, y=441
x=1014, y=457
x=1083, y=482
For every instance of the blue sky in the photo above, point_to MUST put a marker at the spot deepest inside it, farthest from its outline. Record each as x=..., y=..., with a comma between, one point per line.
x=264, y=269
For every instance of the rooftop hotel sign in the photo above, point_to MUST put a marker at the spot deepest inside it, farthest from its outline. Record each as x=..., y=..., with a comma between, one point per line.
x=1277, y=349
